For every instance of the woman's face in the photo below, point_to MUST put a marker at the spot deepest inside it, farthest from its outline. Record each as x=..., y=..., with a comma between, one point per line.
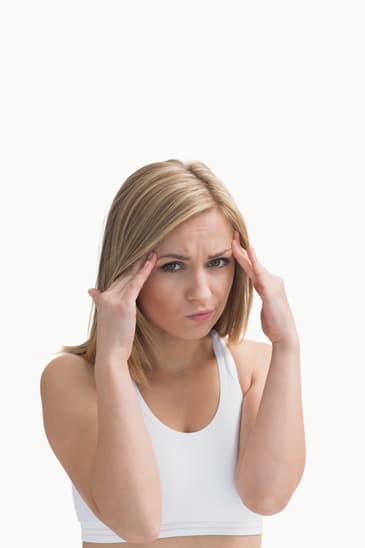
x=178, y=287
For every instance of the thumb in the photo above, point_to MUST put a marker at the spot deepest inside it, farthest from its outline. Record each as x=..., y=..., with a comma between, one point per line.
x=93, y=293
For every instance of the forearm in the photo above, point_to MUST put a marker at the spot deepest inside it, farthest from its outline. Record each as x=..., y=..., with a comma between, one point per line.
x=125, y=477
x=274, y=457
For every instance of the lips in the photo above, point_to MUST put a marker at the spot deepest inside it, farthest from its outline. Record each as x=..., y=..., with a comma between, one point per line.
x=201, y=313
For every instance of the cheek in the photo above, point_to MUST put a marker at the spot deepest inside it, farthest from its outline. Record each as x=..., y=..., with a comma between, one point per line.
x=226, y=285
x=227, y=280
x=154, y=298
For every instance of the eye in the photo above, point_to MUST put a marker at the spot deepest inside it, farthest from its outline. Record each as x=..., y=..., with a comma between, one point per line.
x=226, y=261
x=165, y=269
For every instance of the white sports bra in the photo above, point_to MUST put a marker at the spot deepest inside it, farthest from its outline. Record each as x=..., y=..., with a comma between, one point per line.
x=196, y=469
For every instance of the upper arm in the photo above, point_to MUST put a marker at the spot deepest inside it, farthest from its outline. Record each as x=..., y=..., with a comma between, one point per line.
x=69, y=409
x=256, y=356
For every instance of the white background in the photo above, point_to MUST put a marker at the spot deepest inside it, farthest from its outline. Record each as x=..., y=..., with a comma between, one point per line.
x=270, y=95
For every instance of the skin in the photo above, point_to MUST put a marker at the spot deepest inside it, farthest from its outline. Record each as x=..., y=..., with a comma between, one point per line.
x=185, y=287
x=184, y=345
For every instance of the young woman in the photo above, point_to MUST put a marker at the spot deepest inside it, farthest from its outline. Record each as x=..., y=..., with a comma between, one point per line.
x=175, y=430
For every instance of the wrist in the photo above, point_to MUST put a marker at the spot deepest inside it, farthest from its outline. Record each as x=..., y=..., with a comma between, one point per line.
x=287, y=343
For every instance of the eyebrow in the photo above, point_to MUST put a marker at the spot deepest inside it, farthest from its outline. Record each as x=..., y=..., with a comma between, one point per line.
x=176, y=256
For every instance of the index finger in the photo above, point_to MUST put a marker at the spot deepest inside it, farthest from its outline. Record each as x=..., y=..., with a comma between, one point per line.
x=133, y=271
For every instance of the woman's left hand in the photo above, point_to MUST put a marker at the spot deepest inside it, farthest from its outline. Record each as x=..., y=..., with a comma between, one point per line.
x=276, y=317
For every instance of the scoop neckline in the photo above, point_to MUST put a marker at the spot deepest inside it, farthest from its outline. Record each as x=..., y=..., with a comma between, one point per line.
x=213, y=421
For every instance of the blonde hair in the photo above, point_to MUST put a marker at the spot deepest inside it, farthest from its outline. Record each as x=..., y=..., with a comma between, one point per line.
x=151, y=202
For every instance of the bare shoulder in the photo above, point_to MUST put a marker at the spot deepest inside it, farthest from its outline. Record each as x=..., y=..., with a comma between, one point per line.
x=252, y=360
x=69, y=407
x=66, y=384
x=67, y=366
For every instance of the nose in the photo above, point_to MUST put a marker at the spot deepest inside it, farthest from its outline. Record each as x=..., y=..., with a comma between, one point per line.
x=199, y=288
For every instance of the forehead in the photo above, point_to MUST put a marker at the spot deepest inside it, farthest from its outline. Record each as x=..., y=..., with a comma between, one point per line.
x=206, y=224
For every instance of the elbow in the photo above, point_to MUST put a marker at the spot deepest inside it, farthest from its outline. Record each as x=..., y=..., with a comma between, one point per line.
x=265, y=507
x=140, y=537
x=268, y=504
x=152, y=534
x=136, y=532
x=148, y=535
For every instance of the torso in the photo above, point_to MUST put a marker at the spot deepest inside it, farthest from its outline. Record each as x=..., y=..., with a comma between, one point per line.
x=189, y=405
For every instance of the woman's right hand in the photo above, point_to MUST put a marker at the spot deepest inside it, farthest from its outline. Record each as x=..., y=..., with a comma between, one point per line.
x=116, y=311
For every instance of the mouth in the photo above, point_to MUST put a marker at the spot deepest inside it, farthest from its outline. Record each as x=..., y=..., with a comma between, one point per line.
x=202, y=316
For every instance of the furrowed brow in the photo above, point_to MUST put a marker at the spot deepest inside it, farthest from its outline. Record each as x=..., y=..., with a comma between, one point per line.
x=183, y=257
